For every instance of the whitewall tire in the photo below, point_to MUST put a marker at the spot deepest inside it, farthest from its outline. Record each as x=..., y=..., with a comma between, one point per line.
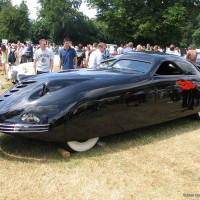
x=80, y=146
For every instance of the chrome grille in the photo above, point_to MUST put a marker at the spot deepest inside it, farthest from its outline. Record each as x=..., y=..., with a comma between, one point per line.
x=23, y=128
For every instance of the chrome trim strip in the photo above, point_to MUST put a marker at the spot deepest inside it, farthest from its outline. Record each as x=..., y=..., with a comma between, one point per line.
x=23, y=128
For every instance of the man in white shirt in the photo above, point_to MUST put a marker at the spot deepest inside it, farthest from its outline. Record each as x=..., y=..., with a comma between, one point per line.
x=97, y=56
x=43, y=59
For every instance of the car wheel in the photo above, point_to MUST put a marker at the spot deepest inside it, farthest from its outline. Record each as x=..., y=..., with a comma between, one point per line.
x=80, y=146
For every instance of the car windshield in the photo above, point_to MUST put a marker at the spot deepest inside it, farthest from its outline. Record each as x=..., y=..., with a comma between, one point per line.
x=132, y=66
x=198, y=55
x=105, y=65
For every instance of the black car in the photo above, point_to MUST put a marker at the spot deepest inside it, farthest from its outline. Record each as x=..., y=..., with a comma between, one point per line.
x=76, y=107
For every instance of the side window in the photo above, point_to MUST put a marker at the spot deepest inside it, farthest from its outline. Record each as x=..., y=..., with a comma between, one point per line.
x=188, y=67
x=169, y=68
x=105, y=65
x=132, y=66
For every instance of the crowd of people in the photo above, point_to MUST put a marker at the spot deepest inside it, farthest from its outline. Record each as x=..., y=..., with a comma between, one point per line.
x=15, y=54
x=70, y=57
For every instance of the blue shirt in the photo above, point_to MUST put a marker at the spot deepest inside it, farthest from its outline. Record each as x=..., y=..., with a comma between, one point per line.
x=67, y=56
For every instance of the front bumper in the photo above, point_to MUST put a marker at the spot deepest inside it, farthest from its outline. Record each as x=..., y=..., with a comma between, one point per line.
x=23, y=128
x=35, y=131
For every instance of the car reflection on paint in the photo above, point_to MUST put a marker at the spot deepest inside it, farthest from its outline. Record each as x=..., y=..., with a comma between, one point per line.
x=76, y=107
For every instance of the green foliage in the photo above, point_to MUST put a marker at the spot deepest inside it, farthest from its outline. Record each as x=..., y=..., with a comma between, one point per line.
x=8, y=23
x=39, y=30
x=24, y=23
x=68, y=23
x=196, y=37
x=2, y=3
x=118, y=21
x=174, y=21
x=14, y=22
x=154, y=21
x=196, y=34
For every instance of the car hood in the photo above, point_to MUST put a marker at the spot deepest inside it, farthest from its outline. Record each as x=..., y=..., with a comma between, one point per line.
x=55, y=93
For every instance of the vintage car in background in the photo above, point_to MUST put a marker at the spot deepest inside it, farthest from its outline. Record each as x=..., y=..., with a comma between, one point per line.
x=25, y=69
x=76, y=107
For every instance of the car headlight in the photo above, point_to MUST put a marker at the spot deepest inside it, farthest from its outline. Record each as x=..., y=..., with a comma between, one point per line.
x=30, y=118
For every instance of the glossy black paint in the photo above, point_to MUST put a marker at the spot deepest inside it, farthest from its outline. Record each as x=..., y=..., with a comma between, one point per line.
x=88, y=103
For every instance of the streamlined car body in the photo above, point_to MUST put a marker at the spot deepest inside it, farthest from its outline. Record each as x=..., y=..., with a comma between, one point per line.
x=76, y=107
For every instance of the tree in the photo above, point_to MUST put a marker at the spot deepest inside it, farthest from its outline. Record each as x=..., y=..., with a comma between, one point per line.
x=196, y=34
x=142, y=21
x=63, y=19
x=59, y=14
x=39, y=30
x=23, y=20
x=14, y=22
x=2, y=2
x=8, y=22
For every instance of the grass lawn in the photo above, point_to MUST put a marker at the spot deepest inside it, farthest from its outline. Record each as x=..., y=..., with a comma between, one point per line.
x=5, y=84
x=156, y=163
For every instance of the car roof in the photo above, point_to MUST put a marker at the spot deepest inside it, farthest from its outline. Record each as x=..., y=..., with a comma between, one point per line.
x=147, y=56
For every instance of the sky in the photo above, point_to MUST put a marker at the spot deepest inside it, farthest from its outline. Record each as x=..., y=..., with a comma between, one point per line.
x=32, y=5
